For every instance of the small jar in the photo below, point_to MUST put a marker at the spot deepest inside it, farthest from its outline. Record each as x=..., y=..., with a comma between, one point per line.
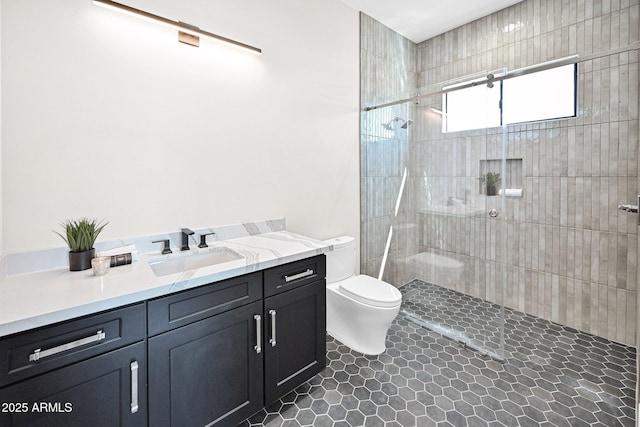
x=101, y=265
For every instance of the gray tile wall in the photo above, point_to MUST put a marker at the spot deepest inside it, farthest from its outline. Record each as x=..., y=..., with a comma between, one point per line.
x=571, y=256
x=387, y=74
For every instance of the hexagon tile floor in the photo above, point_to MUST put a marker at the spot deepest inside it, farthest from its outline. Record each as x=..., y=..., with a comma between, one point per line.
x=552, y=376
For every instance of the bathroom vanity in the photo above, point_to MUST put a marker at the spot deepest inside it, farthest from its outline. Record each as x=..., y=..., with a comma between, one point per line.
x=210, y=354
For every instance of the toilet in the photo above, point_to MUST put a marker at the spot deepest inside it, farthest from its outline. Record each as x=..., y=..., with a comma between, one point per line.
x=360, y=309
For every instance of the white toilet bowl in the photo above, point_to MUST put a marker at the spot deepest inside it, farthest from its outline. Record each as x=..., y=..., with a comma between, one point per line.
x=360, y=309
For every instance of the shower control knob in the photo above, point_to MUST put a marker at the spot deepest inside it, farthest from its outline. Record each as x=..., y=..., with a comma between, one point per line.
x=493, y=213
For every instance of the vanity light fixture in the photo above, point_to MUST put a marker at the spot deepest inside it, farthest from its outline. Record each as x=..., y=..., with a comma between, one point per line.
x=188, y=34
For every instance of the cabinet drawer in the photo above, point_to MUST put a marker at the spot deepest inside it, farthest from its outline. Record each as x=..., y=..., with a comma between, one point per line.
x=186, y=307
x=298, y=273
x=103, y=391
x=41, y=350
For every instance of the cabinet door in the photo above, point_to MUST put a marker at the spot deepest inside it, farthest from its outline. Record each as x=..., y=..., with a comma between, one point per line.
x=208, y=372
x=107, y=390
x=295, y=340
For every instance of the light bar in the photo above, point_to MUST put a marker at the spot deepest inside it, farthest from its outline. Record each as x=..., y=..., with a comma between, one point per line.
x=187, y=33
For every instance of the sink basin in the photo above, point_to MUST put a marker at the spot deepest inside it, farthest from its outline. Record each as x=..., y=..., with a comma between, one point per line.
x=183, y=262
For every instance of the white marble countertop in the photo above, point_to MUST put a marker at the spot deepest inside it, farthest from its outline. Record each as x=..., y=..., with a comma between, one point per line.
x=36, y=299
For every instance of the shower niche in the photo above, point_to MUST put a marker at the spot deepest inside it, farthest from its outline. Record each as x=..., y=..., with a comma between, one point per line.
x=492, y=178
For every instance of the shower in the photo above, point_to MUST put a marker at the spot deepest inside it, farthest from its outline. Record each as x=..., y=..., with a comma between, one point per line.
x=392, y=124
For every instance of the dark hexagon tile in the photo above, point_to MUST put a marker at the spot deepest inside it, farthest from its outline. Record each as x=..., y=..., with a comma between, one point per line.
x=386, y=413
x=557, y=420
x=355, y=418
x=288, y=411
x=345, y=389
x=379, y=398
x=274, y=408
x=538, y=403
x=319, y=407
x=456, y=419
x=330, y=384
x=356, y=380
x=305, y=416
x=337, y=412
x=361, y=393
x=444, y=403
x=258, y=417
x=425, y=398
x=349, y=402
x=491, y=403
x=534, y=413
x=367, y=407
x=552, y=376
x=373, y=421
x=322, y=421
x=397, y=403
x=406, y=418
x=405, y=392
x=273, y=420
x=416, y=408
x=372, y=384
x=435, y=413
x=485, y=413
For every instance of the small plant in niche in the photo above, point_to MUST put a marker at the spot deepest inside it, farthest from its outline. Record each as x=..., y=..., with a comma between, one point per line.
x=491, y=180
x=80, y=235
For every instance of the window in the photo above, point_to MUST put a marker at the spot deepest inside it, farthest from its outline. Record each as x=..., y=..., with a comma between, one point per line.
x=472, y=108
x=543, y=95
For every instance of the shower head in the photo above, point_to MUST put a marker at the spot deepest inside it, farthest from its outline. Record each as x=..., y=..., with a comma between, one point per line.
x=391, y=124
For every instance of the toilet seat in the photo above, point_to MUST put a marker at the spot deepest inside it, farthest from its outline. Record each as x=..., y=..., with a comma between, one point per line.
x=370, y=291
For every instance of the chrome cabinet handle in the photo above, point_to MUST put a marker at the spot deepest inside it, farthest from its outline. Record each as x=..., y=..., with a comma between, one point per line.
x=39, y=353
x=272, y=313
x=309, y=272
x=134, y=387
x=258, y=346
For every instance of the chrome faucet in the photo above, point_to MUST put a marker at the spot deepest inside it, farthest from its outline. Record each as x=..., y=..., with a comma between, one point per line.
x=184, y=239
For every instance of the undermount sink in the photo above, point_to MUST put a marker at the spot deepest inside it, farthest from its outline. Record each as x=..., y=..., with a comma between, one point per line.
x=184, y=262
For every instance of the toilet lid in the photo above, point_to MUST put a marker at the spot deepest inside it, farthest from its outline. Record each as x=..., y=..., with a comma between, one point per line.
x=370, y=291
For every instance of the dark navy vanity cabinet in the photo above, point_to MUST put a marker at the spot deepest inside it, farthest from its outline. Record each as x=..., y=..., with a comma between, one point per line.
x=211, y=355
x=295, y=311
x=87, y=371
x=207, y=368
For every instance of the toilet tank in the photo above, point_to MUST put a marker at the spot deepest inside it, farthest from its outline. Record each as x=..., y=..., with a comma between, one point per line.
x=341, y=262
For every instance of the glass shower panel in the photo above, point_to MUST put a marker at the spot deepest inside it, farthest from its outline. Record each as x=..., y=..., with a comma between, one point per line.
x=387, y=223
x=452, y=270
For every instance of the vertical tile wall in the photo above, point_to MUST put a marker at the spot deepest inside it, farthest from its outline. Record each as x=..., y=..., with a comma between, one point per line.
x=387, y=74
x=571, y=256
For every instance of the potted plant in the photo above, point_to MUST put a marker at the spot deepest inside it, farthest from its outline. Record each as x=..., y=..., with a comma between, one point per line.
x=80, y=235
x=491, y=181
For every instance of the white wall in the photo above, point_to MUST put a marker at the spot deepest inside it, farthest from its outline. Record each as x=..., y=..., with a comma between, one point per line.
x=108, y=116
x=1, y=175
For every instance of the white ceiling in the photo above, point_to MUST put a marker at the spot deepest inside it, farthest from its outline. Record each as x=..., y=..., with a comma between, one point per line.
x=419, y=20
